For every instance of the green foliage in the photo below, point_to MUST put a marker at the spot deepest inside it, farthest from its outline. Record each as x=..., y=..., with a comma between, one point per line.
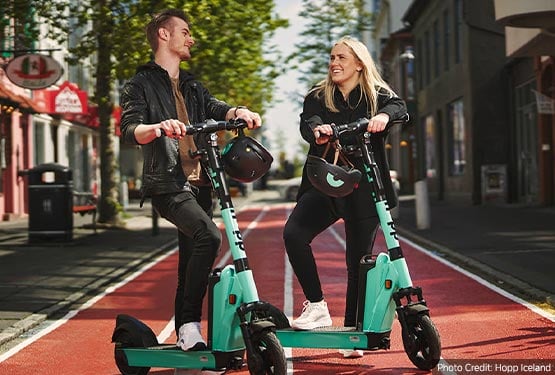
x=327, y=21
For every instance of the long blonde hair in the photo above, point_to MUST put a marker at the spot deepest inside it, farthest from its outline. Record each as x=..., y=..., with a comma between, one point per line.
x=370, y=80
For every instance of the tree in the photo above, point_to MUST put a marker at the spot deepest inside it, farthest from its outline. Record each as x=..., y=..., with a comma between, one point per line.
x=231, y=37
x=327, y=21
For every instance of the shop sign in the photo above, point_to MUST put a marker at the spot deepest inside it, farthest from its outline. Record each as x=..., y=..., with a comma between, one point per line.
x=67, y=99
x=34, y=71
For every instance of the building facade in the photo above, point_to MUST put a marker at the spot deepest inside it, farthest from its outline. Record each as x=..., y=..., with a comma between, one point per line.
x=54, y=124
x=463, y=109
x=530, y=50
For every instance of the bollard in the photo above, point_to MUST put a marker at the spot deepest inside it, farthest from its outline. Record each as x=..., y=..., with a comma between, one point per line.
x=124, y=195
x=422, y=205
x=155, y=227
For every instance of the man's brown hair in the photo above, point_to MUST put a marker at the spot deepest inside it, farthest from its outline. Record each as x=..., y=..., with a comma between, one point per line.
x=160, y=20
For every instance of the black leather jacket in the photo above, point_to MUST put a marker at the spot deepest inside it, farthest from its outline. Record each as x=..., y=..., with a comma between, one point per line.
x=147, y=99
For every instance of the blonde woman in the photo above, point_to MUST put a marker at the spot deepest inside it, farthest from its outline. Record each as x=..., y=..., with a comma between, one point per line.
x=353, y=89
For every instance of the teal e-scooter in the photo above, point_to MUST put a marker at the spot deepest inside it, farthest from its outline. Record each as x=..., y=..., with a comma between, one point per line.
x=385, y=287
x=238, y=321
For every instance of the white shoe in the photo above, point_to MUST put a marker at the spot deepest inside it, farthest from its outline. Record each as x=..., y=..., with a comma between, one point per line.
x=351, y=353
x=190, y=337
x=315, y=315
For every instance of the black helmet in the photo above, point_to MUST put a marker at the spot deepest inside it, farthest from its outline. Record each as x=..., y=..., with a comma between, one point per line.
x=245, y=159
x=333, y=180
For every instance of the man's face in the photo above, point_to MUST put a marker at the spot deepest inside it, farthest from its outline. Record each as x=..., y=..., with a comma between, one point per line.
x=180, y=40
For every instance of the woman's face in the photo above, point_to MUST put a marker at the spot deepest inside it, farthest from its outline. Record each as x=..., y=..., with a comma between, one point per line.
x=344, y=67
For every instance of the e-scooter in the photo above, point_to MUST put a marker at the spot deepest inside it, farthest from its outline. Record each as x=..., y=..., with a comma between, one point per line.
x=385, y=288
x=237, y=319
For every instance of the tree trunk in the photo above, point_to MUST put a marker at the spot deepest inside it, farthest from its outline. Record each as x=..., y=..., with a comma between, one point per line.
x=109, y=207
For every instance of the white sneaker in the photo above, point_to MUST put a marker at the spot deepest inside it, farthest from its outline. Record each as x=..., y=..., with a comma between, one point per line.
x=190, y=337
x=351, y=353
x=315, y=315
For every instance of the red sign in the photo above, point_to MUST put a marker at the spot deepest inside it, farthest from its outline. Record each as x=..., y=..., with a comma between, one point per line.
x=67, y=99
x=34, y=71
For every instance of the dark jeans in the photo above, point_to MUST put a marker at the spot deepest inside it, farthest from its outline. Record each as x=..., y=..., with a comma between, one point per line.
x=199, y=244
x=314, y=213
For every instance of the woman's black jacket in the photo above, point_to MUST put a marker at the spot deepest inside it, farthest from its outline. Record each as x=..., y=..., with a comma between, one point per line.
x=358, y=204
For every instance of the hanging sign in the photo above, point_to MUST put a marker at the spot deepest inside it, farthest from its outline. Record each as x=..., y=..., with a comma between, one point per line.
x=67, y=99
x=34, y=71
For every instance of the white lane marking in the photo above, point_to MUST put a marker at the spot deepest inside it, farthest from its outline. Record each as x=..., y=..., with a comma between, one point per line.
x=86, y=305
x=485, y=283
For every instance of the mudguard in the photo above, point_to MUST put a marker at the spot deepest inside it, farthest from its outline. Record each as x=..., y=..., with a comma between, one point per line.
x=139, y=333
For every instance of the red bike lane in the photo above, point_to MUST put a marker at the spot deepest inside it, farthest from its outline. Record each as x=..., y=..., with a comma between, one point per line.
x=477, y=325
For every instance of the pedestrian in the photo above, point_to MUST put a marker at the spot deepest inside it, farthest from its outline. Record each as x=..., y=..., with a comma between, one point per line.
x=161, y=99
x=353, y=89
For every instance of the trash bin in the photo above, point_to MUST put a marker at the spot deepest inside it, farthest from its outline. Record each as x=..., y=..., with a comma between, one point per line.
x=50, y=203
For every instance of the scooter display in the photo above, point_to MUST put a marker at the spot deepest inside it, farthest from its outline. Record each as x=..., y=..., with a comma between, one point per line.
x=238, y=321
x=385, y=288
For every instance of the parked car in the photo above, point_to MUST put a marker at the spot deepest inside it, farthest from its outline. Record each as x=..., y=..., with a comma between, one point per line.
x=288, y=188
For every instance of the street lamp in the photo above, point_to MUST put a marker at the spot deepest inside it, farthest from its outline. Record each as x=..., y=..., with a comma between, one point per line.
x=422, y=203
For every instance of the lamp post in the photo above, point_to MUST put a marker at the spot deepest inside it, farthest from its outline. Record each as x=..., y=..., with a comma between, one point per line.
x=422, y=203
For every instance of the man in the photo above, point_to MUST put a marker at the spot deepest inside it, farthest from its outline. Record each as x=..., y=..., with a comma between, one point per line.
x=160, y=99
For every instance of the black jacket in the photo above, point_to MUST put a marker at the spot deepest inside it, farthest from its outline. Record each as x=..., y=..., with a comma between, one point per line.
x=147, y=98
x=359, y=203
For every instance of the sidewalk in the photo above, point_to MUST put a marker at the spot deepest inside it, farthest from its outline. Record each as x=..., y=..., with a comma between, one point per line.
x=513, y=247
x=44, y=280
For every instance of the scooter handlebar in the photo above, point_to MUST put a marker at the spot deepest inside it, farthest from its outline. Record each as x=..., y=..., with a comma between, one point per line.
x=359, y=126
x=212, y=126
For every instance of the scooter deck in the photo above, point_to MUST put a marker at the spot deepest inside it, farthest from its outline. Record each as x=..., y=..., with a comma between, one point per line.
x=334, y=337
x=171, y=356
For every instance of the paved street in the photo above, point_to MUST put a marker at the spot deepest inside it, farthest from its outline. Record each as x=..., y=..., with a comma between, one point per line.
x=459, y=303
x=512, y=247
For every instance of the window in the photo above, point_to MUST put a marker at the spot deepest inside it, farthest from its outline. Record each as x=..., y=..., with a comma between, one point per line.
x=457, y=150
x=446, y=36
x=39, y=142
x=436, y=48
x=427, y=61
x=431, y=157
x=419, y=65
x=458, y=29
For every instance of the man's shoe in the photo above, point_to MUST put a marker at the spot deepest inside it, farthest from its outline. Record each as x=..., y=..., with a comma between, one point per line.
x=190, y=337
x=351, y=353
x=314, y=315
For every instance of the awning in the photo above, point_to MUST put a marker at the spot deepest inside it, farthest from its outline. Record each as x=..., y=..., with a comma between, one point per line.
x=17, y=101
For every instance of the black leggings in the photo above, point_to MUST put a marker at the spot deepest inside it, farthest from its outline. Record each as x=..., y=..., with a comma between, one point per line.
x=314, y=213
x=199, y=244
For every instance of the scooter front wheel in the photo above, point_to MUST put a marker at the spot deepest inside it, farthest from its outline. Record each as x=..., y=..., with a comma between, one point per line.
x=422, y=343
x=269, y=358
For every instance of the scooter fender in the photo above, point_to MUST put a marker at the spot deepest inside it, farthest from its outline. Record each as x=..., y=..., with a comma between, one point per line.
x=227, y=297
x=137, y=331
x=381, y=282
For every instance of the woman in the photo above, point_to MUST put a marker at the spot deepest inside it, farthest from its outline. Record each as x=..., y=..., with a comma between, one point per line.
x=352, y=90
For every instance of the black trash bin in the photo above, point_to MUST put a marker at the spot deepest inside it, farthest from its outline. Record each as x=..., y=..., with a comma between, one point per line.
x=50, y=203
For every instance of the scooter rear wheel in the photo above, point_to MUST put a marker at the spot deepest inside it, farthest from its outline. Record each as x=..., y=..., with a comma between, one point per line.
x=422, y=343
x=269, y=358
